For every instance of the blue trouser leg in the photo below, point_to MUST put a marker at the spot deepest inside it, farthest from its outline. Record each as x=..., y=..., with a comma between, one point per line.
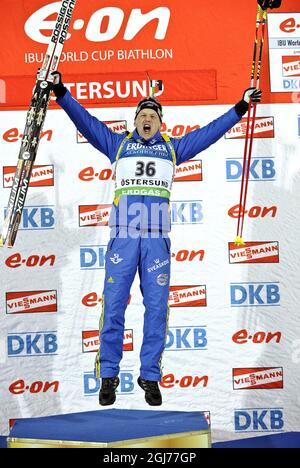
x=122, y=259
x=154, y=270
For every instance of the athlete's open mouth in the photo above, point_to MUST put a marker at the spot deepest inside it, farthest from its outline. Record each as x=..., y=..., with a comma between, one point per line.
x=147, y=128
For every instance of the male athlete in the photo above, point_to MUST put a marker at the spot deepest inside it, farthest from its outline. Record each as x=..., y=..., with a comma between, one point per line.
x=144, y=163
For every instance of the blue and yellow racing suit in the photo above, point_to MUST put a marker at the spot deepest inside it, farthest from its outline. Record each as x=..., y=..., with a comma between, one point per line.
x=140, y=222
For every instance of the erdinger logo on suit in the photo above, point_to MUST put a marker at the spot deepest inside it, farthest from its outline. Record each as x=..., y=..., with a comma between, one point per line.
x=32, y=344
x=189, y=171
x=42, y=176
x=255, y=294
x=27, y=302
x=91, y=385
x=260, y=378
x=37, y=218
x=186, y=339
x=254, y=252
x=259, y=420
x=94, y=215
x=261, y=169
x=291, y=66
x=187, y=212
x=90, y=341
x=187, y=296
x=263, y=128
x=116, y=126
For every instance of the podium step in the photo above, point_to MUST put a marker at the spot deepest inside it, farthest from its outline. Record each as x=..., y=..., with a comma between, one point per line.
x=113, y=429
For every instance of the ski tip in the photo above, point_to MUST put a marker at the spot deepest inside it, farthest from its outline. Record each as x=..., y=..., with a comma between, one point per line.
x=239, y=241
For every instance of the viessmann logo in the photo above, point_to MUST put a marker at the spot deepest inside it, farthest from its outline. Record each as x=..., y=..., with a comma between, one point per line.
x=291, y=66
x=27, y=302
x=263, y=128
x=90, y=341
x=42, y=176
x=187, y=296
x=254, y=252
x=94, y=215
x=116, y=126
x=105, y=24
x=190, y=171
x=258, y=378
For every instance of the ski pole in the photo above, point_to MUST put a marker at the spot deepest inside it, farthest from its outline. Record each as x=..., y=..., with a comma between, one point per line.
x=253, y=117
x=253, y=68
x=261, y=20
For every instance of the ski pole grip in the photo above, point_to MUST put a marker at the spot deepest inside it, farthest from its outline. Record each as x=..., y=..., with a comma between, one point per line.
x=58, y=88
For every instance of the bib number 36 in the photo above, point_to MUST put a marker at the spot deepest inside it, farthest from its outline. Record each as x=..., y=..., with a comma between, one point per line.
x=145, y=169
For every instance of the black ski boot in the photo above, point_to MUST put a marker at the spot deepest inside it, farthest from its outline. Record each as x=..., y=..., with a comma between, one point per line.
x=152, y=392
x=107, y=395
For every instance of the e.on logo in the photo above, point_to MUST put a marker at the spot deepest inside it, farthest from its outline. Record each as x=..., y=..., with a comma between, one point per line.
x=19, y=387
x=104, y=25
x=188, y=381
x=16, y=261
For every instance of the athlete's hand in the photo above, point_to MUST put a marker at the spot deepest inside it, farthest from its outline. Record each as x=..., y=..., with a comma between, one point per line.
x=252, y=94
x=58, y=87
x=265, y=4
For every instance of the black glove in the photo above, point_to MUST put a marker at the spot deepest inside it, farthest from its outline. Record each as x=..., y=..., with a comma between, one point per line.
x=265, y=4
x=252, y=94
x=58, y=88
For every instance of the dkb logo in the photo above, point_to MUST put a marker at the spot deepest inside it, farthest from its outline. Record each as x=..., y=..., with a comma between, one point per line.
x=92, y=385
x=186, y=339
x=259, y=420
x=261, y=169
x=37, y=218
x=92, y=257
x=187, y=212
x=254, y=294
x=32, y=344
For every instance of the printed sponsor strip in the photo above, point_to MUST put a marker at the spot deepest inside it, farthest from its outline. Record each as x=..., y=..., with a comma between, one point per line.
x=258, y=378
x=42, y=176
x=264, y=128
x=187, y=296
x=254, y=252
x=26, y=302
x=91, y=341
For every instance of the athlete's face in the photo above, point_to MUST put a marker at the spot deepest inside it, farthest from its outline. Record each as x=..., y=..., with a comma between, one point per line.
x=147, y=123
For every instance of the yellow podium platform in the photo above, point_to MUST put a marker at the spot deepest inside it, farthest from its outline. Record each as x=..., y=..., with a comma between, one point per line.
x=114, y=429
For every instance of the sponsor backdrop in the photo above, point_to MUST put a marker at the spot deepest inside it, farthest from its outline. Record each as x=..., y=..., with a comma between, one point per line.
x=233, y=342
